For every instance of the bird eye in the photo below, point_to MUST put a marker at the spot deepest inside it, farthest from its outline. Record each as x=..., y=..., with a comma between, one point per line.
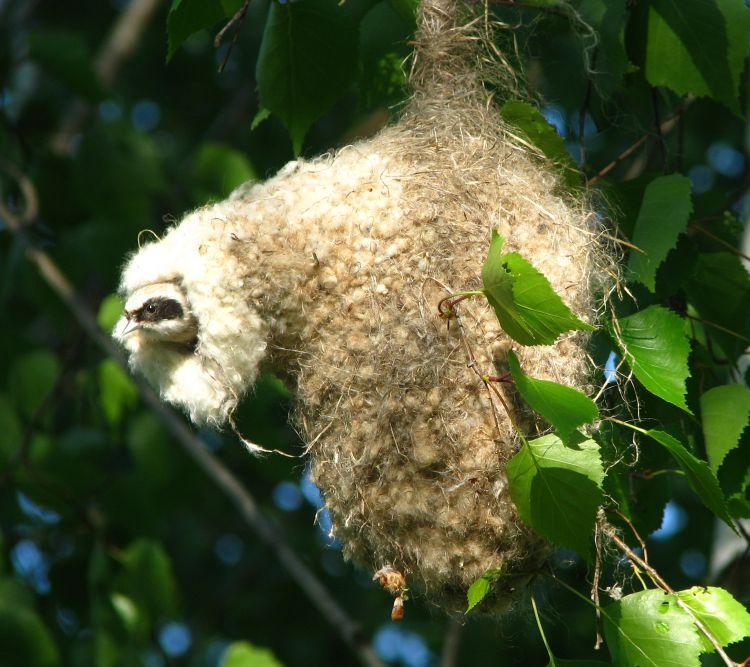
x=151, y=308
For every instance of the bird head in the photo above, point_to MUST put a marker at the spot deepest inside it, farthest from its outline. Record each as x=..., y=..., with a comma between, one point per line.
x=158, y=313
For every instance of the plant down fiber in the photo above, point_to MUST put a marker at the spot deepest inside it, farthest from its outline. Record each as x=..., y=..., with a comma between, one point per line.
x=330, y=274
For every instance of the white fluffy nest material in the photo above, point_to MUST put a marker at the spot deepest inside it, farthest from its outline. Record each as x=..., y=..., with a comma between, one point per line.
x=330, y=273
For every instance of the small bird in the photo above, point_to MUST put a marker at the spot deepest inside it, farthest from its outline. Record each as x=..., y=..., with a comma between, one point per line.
x=158, y=313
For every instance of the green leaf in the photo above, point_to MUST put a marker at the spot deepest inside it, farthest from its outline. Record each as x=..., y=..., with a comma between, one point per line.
x=148, y=579
x=31, y=378
x=698, y=473
x=127, y=612
x=722, y=273
x=654, y=344
x=24, y=639
x=189, y=16
x=650, y=629
x=259, y=117
x=724, y=411
x=528, y=309
x=110, y=310
x=479, y=589
x=307, y=59
x=664, y=215
x=117, y=393
x=477, y=592
x=544, y=136
x=564, y=407
x=244, y=654
x=725, y=618
x=66, y=56
x=218, y=170
x=698, y=47
x=557, y=489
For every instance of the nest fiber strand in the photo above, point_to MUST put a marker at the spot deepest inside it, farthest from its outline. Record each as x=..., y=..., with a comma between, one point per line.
x=330, y=273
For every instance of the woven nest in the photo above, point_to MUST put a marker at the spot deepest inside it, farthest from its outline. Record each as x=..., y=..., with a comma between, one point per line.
x=339, y=264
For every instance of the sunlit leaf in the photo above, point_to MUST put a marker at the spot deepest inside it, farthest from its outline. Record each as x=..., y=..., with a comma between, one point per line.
x=650, y=629
x=528, y=309
x=564, y=407
x=697, y=47
x=557, y=488
x=654, y=344
x=535, y=127
x=480, y=588
x=664, y=215
x=117, y=392
x=244, y=654
x=724, y=412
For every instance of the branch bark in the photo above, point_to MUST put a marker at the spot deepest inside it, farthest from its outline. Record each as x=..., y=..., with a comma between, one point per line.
x=240, y=497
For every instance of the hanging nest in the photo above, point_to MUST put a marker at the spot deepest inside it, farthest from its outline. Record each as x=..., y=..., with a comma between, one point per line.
x=330, y=274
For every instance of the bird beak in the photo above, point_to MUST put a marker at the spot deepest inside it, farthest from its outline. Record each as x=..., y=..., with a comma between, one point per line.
x=127, y=326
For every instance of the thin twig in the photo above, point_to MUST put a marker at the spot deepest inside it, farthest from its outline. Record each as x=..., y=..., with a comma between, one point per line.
x=242, y=499
x=236, y=20
x=664, y=128
x=735, y=251
x=661, y=583
x=595, y=586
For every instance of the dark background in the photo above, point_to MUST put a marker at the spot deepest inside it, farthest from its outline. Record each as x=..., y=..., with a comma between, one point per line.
x=115, y=548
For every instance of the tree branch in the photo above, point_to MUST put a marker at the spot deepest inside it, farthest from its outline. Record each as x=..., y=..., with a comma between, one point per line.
x=663, y=129
x=610, y=531
x=240, y=497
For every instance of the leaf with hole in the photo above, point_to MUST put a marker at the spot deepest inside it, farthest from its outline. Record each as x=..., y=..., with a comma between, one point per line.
x=564, y=407
x=557, y=488
x=650, y=629
x=654, y=344
x=528, y=309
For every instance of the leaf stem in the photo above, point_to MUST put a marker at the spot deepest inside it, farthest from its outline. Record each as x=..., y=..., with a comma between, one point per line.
x=452, y=300
x=541, y=632
x=610, y=531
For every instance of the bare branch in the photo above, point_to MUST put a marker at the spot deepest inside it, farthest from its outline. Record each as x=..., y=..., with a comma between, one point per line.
x=240, y=497
x=663, y=129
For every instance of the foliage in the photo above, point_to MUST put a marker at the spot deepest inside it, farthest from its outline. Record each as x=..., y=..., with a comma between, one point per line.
x=115, y=550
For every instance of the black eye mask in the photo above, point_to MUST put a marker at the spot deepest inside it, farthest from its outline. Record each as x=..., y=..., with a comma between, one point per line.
x=157, y=309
